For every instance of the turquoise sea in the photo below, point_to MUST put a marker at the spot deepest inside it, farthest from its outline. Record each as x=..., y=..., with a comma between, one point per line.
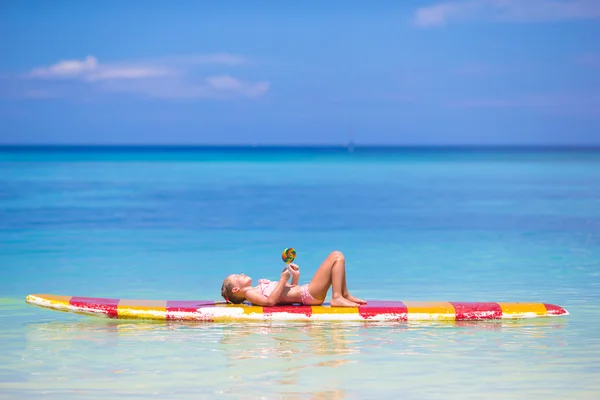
x=446, y=224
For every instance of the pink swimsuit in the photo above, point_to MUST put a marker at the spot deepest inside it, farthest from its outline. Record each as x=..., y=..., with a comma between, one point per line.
x=266, y=287
x=305, y=295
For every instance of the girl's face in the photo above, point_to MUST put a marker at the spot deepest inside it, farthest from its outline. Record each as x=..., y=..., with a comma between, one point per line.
x=240, y=280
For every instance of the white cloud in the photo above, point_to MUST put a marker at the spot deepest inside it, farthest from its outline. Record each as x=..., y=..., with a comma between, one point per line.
x=66, y=68
x=126, y=73
x=169, y=77
x=438, y=14
x=223, y=82
x=506, y=10
x=91, y=70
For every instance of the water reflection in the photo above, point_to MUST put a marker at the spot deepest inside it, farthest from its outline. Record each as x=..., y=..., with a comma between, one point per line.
x=321, y=338
x=292, y=360
x=287, y=340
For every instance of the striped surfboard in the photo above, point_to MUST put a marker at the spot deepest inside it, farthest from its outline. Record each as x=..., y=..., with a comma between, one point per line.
x=210, y=311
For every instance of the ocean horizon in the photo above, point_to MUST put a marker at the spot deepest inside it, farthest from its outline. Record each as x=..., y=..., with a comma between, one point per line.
x=407, y=147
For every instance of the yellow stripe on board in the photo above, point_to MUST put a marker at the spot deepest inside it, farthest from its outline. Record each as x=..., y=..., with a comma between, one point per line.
x=419, y=310
x=233, y=312
x=245, y=308
x=334, y=310
x=143, y=309
x=519, y=309
x=52, y=300
x=62, y=300
x=253, y=310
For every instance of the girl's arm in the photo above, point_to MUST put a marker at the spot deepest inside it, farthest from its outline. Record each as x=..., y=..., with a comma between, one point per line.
x=256, y=298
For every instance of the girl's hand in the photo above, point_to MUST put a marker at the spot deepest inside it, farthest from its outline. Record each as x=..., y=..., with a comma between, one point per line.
x=285, y=274
x=295, y=271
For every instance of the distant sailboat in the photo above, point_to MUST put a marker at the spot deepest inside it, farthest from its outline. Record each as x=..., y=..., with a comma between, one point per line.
x=350, y=144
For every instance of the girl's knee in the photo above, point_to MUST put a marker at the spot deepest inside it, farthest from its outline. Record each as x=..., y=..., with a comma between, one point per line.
x=338, y=255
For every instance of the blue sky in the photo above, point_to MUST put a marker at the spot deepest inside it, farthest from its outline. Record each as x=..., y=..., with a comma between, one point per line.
x=316, y=72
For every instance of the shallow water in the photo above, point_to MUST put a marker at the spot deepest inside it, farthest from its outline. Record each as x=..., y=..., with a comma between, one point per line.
x=414, y=225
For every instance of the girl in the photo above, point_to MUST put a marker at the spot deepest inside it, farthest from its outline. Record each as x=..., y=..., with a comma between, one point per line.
x=237, y=288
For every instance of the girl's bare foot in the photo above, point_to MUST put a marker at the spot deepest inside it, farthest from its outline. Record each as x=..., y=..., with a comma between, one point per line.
x=342, y=302
x=355, y=299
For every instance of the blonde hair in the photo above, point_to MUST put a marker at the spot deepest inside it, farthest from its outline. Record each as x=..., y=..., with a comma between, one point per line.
x=227, y=292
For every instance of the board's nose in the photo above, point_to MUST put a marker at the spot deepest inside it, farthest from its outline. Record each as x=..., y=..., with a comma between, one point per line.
x=553, y=309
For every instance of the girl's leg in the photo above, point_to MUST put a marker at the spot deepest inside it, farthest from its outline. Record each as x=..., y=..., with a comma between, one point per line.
x=332, y=273
x=347, y=294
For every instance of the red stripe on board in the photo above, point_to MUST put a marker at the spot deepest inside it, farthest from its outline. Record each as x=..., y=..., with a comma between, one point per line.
x=107, y=306
x=188, y=306
x=306, y=310
x=554, y=309
x=470, y=311
x=374, y=308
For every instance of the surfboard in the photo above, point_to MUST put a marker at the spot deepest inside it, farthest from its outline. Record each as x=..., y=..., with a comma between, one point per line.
x=374, y=310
